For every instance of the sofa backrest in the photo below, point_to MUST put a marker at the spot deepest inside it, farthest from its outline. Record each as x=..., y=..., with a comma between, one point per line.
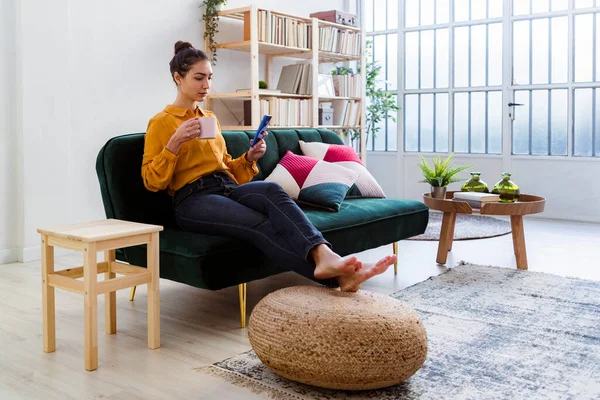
x=119, y=166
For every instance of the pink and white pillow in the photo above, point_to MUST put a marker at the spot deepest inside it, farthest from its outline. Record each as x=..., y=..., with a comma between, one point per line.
x=311, y=181
x=345, y=156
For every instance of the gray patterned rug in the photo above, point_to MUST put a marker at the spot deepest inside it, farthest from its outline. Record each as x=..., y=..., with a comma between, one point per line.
x=493, y=333
x=468, y=226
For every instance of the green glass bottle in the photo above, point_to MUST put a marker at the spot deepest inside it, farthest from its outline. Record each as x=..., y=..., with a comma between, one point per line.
x=507, y=189
x=475, y=184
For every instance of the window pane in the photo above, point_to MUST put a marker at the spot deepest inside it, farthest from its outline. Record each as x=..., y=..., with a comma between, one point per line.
x=584, y=3
x=540, y=6
x=441, y=122
x=521, y=52
x=442, y=47
x=411, y=13
x=560, y=49
x=495, y=54
x=379, y=48
x=427, y=64
x=539, y=126
x=380, y=137
x=411, y=122
x=380, y=15
x=392, y=60
x=392, y=14
x=584, y=47
x=478, y=51
x=412, y=60
x=461, y=122
x=558, y=144
x=427, y=122
x=539, y=59
x=597, y=125
x=597, y=46
x=369, y=16
x=496, y=10
x=461, y=10
x=521, y=7
x=583, y=122
x=461, y=56
x=559, y=5
x=495, y=122
x=392, y=136
x=478, y=108
x=478, y=9
x=521, y=123
x=427, y=7
x=442, y=11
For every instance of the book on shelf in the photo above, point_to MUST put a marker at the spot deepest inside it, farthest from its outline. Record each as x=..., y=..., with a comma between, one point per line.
x=476, y=199
x=260, y=91
x=284, y=111
x=280, y=29
x=346, y=112
x=296, y=79
x=341, y=41
x=347, y=85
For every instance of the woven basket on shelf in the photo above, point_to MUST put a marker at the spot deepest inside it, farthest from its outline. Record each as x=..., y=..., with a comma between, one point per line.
x=336, y=340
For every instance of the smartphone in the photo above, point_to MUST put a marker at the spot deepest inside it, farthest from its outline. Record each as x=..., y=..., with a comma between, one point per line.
x=261, y=129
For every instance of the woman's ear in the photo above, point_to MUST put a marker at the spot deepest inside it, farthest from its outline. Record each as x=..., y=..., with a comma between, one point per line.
x=177, y=78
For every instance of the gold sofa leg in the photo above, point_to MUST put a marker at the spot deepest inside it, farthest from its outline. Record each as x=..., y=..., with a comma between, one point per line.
x=242, y=294
x=395, y=245
x=132, y=293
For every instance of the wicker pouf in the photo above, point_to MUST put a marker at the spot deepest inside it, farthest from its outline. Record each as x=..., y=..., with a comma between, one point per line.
x=336, y=340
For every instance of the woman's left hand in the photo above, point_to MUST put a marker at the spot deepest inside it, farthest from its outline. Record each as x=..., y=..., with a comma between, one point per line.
x=258, y=150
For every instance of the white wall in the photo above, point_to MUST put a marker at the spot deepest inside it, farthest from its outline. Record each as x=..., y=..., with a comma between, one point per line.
x=88, y=71
x=9, y=238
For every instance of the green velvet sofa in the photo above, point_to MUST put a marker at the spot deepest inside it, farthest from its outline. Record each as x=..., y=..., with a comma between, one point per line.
x=216, y=262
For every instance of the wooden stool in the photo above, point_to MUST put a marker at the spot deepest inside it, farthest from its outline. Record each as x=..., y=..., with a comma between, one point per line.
x=90, y=238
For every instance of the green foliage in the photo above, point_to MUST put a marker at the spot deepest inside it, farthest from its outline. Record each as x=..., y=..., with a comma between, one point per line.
x=443, y=172
x=262, y=85
x=211, y=24
x=342, y=71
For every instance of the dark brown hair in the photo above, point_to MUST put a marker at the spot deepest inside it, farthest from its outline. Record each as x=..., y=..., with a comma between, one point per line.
x=185, y=56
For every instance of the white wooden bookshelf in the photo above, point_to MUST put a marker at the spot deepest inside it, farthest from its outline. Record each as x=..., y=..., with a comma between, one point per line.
x=249, y=16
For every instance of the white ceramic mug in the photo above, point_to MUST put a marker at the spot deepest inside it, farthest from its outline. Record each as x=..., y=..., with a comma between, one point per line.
x=208, y=127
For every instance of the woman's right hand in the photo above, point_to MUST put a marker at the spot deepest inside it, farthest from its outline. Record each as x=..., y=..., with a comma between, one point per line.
x=187, y=131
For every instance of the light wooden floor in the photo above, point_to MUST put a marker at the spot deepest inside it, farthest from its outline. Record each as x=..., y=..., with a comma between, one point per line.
x=200, y=327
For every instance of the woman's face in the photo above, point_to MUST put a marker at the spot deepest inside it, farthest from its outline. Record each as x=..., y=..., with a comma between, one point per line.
x=196, y=83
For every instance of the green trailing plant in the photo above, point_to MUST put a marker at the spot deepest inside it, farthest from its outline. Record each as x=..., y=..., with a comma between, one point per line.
x=211, y=24
x=442, y=173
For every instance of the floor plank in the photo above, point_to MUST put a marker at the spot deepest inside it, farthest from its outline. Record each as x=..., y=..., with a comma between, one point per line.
x=199, y=327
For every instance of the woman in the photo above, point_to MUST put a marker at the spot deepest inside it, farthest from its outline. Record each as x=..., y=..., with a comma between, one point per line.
x=212, y=192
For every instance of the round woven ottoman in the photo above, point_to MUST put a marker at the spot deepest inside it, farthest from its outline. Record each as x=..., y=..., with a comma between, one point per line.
x=336, y=340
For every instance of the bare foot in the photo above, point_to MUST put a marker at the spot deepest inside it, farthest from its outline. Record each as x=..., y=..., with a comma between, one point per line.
x=351, y=283
x=331, y=265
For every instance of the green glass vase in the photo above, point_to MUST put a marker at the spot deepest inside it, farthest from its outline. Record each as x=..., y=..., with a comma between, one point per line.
x=507, y=189
x=475, y=184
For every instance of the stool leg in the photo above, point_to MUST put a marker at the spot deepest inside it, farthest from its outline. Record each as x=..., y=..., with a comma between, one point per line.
x=153, y=257
x=395, y=246
x=242, y=294
x=132, y=293
x=90, y=309
x=110, y=298
x=48, y=297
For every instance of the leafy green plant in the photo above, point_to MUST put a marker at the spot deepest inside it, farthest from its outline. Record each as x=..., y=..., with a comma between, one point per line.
x=342, y=71
x=211, y=24
x=262, y=85
x=443, y=172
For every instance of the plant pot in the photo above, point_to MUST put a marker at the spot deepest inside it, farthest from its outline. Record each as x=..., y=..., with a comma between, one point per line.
x=438, y=192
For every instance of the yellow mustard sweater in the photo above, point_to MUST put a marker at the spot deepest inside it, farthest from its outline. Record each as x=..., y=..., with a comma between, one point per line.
x=162, y=169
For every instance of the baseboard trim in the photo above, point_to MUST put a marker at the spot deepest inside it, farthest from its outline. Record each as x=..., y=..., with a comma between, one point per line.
x=9, y=256
x=29, y=254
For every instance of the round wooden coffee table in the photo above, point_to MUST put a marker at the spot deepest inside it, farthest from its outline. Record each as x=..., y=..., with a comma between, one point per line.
x=527, y=204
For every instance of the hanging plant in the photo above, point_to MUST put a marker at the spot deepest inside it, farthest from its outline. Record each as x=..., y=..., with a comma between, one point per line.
x=211, y=24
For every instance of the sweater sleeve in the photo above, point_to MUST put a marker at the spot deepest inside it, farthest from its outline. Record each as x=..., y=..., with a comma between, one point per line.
x=242, y=169
x=158, y=163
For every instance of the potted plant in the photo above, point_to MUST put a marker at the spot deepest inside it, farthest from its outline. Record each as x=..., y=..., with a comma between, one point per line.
x=211, y=23
x=440, y=175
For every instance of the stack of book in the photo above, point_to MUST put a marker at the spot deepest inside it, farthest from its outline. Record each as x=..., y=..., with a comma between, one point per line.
x=475, y=199
x=342, y=41
x=346, y=112
x=347, y=85
x=296, y=79
x=287, y=112
x=279, y=29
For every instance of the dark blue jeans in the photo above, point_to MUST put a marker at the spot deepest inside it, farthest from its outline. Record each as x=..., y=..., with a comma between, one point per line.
x=261, y=213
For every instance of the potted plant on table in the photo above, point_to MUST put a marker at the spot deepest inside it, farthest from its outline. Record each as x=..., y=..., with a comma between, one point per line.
x=440, y=175
x=211, y=23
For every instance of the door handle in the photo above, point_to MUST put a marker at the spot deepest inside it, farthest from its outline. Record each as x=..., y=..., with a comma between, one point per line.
x=515, y=104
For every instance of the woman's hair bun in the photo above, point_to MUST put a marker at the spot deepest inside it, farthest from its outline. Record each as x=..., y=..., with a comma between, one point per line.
x=180, y=45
